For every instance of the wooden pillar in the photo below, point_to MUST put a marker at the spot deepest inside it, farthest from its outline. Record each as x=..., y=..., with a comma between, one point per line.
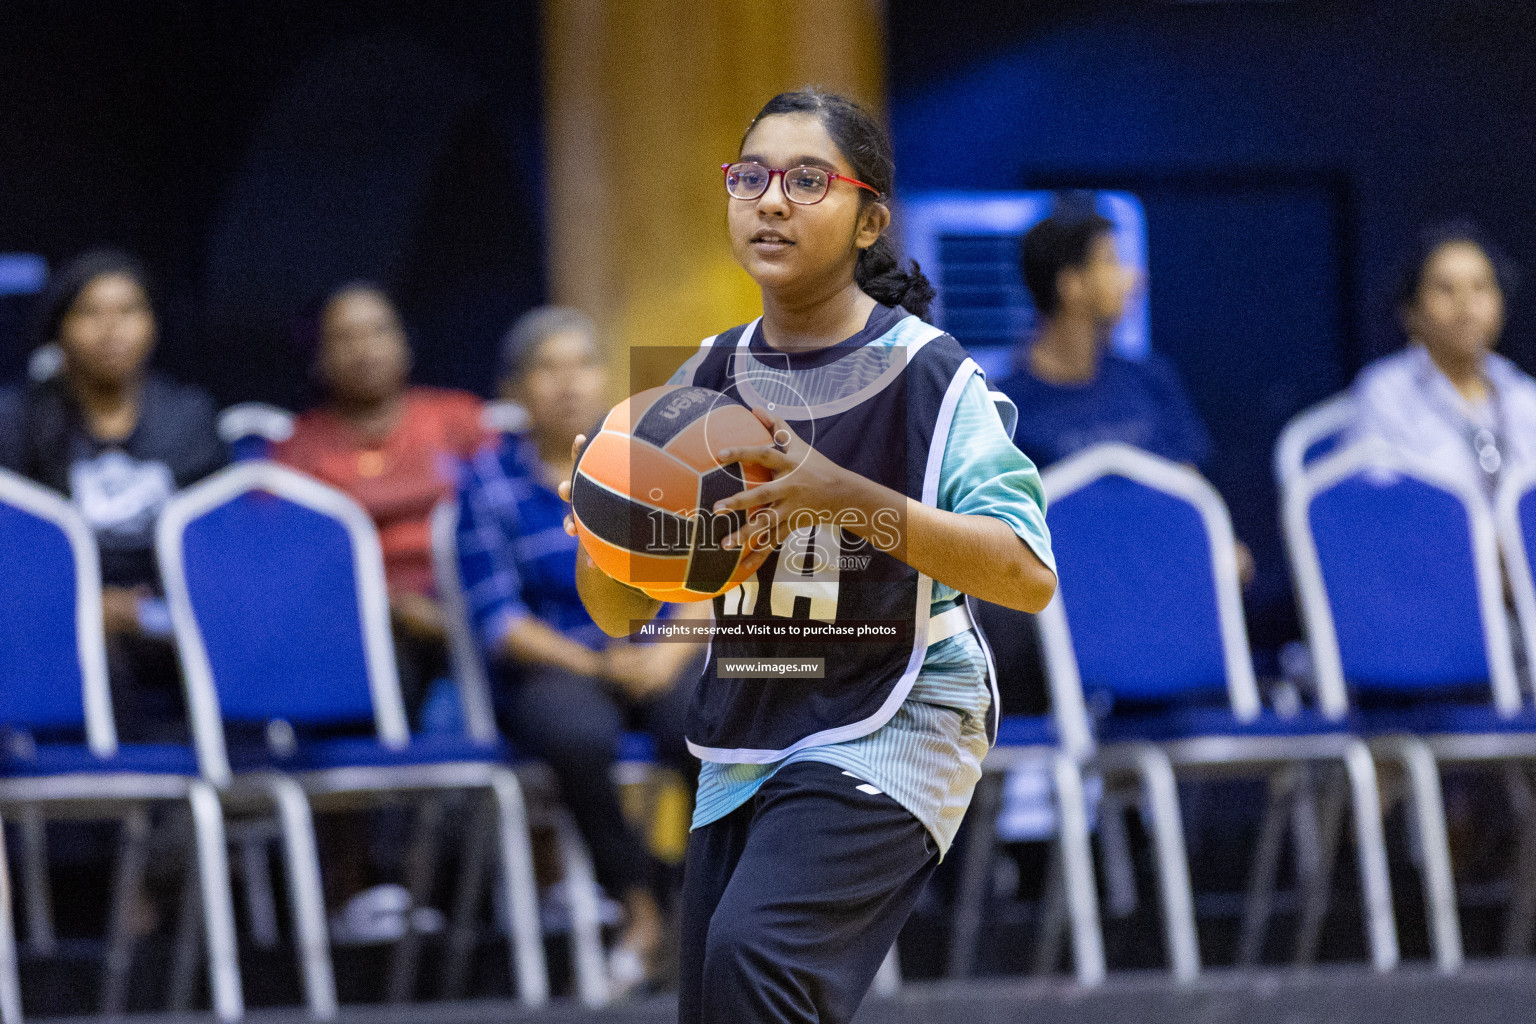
x=644, y=100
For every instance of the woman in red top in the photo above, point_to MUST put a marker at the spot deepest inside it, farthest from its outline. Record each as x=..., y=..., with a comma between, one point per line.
x=395, y=449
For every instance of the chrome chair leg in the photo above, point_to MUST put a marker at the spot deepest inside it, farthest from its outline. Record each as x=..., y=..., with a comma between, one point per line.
x=305, y=893
x=521, y=891
x=217, y=903
x=1051, y=916
x=10, y=981
x=1119, y=870
x=975, y=873
x=1316, y=885
x=463, y=926
x=37, y=892
x=256, y=883
x=1521, y=918
x=189, y=949
x=420, y=867
x=1370, y=845
x=1428, y=808
x=127, y=891
x=586, y=925
x=1077, y=872
x=1160, y=788
x=1258, y=903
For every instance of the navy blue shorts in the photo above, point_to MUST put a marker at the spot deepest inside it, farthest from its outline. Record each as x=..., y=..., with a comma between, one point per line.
x=791, y=901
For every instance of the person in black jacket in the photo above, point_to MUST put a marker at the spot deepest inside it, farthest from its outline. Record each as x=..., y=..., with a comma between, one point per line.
x=118, y=440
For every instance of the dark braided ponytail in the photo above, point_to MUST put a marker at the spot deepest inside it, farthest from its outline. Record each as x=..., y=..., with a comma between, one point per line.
x=867, y=148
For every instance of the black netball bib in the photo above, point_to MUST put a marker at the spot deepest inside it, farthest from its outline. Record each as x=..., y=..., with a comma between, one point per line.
x=881, y=409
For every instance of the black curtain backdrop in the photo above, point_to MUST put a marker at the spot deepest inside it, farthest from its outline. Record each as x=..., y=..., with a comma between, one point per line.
x=258, y=154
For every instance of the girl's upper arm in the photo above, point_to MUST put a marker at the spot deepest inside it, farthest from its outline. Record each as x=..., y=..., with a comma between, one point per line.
x=983, y=473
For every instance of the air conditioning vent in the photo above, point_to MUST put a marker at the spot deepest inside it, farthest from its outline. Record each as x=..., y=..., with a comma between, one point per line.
x=968, y=245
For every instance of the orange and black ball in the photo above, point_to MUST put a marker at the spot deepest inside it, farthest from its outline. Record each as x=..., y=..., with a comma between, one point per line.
x=645, y=485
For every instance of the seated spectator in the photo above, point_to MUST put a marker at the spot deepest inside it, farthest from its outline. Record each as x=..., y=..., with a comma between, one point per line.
x=1448, y=396
x=1072, y=392
x=396, y=450
x=118, y=439
x=563, y=691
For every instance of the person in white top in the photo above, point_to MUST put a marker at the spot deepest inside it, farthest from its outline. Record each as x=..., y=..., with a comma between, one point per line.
x=1448, y=396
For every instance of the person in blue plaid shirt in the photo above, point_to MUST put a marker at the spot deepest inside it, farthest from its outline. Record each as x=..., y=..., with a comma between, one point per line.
x=563, y=690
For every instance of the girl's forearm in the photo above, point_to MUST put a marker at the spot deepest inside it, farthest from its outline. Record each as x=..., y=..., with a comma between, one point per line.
x=977, y=555
x=617, y=609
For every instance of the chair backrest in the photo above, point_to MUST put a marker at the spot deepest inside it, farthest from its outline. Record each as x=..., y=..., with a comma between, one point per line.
x=252, y=428
x=53, y=662
x=276, y=588
x=463, y=651
x=1515, y=517
x=1397, y=569
x=1148, y=593
x=1311, y=434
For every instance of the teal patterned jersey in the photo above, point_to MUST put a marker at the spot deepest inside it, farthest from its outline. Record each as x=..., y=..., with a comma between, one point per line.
x=928, y=756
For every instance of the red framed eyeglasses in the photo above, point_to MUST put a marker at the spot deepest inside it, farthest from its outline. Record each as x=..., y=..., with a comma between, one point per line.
x=804, y=185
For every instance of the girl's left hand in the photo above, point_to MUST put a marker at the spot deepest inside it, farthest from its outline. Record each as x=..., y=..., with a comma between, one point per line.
x=806, y=486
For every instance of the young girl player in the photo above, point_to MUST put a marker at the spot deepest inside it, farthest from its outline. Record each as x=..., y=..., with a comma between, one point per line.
x=825, y=803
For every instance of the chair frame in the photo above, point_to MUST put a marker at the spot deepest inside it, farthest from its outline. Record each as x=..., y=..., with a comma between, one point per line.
x=291, y=795
x=10, y=979
x=1330, y=416
x=1064, y=762
x=92, y=792
x=1155, y=765
x=480, y=722
x=255, y=419
x=1420, y=757
x=1506, y=508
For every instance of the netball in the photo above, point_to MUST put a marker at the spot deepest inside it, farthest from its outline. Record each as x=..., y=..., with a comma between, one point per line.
x=644, y=486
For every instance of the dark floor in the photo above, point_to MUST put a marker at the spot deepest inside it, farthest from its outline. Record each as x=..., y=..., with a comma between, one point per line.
x=1488, y=993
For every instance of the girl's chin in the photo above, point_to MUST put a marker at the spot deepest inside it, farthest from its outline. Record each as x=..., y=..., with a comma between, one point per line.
x=773, y=274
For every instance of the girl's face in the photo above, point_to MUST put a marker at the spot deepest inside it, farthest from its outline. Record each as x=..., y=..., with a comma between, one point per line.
x=787, y=247
x=108, y=331
x=1458, y=312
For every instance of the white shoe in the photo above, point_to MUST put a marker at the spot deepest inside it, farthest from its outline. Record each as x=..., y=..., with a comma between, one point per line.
x=626, y=972
x=382, y=914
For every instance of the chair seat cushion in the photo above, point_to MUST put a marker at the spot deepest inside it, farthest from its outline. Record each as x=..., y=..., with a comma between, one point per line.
x=1181, y=723
x=1026, y=731
x=1440, y=719
x=368, y=752
x=72, y=759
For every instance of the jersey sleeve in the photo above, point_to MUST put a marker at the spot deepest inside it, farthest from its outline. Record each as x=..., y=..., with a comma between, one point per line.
x=983, y=473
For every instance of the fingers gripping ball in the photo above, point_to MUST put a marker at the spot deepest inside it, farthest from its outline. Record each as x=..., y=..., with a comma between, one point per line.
x=645, y=485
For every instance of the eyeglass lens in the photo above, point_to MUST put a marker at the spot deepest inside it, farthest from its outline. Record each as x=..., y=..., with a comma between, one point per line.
x=801, y=184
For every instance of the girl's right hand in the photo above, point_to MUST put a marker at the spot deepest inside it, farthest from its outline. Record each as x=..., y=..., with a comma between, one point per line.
x=565, y=485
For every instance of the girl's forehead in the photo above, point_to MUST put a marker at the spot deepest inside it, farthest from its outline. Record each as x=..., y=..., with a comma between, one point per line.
x=786, y=139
